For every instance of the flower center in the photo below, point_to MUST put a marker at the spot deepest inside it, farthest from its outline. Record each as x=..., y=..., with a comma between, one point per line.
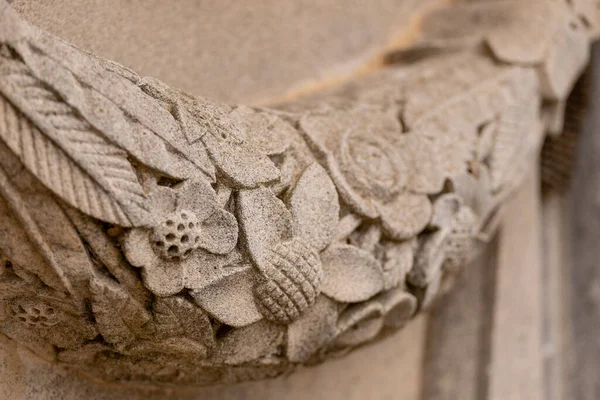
x=177, y=236
x=34, y=314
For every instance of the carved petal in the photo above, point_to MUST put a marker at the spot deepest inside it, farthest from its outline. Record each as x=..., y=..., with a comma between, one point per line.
x=197, y=196
x=399, y=260
x=315, y=207
x=309, y=333
x=407, y=215
x=137, y=247
x=230, y=299
x=535, y=21
x=250, y=342
x=399, y=306
x=163, y=278
x=359, y=323
x=219, y=232
x=350, y=274
x=323, y=133
x=444, y=209
x=264, y=219
x=180, y=347
x=269, y=133
x=243, y=167
x=425, y=172
x=204, y=269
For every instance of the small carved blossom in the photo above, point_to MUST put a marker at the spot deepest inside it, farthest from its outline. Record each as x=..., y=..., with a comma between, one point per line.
x=192, y=231
x=36, y=321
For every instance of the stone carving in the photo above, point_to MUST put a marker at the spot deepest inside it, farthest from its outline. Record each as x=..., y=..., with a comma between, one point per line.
x=147, y=235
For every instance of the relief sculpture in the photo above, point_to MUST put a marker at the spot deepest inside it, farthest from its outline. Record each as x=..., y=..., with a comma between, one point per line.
x=150, y=236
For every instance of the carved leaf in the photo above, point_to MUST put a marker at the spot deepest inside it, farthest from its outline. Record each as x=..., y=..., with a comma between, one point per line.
x=264, y=219
x=119, y=318
x=104, y=115
x=238, y=161
x=350, y=274
x=315, y=207
x=175, y=316
x=23, y=243
x=472, y=91
x=109, y=254
x=516, y=131
x=180, y=348
x=155, y=139
x=65, y=153
x=567, y=57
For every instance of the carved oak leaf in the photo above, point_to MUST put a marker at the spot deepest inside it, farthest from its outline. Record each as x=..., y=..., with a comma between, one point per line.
x=229, y=297
x=315, y=207
x=177, y=317
x=312, y=330
x=350, y=274
x=64, y=151
x=250, y=343
x=432, y=87
x=119, y=318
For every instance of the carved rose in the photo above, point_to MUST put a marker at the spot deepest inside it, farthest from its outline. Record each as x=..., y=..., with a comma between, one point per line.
x=185, y=241
x=364, y=153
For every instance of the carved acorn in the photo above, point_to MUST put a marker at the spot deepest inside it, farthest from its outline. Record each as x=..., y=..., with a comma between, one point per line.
x=290, y=281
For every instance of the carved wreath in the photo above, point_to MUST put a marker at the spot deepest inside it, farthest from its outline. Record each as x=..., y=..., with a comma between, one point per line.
x=149, y=235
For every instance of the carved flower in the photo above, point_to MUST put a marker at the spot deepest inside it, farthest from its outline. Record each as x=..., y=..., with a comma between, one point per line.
x=185, y=241
x=368, y=158
x=43, y=323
